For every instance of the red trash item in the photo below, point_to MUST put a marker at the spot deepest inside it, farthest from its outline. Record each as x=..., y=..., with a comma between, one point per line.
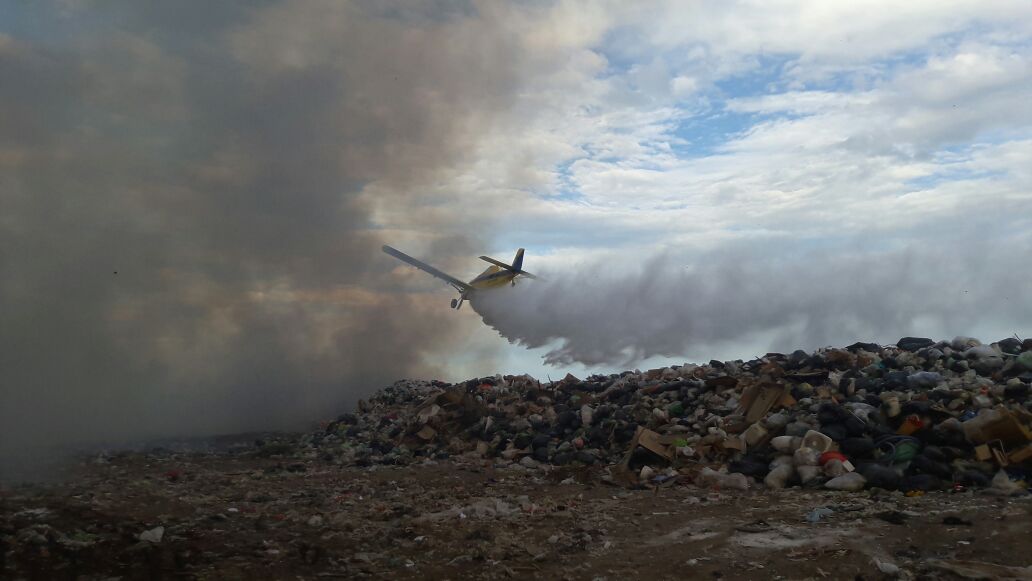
x=831, y=455
x=910, y=425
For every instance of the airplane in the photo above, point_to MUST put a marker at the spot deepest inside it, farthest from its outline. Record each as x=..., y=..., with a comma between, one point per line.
x=496, y=275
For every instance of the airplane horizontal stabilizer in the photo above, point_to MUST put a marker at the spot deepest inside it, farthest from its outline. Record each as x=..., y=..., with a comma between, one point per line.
x=515, y=267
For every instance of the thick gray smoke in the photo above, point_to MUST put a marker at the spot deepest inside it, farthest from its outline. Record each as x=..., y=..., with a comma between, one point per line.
x=598, y=313
x=184, y=246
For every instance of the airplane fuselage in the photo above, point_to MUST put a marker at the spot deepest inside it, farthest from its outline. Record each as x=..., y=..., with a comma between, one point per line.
x=492, y=277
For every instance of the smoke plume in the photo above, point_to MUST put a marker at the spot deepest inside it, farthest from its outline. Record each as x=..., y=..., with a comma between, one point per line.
x=617, y=314
x=185, y=242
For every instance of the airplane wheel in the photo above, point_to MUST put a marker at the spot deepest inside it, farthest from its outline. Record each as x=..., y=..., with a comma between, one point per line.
x=453, y=303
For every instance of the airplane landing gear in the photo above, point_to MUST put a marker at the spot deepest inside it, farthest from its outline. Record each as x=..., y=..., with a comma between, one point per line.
x=454, y=303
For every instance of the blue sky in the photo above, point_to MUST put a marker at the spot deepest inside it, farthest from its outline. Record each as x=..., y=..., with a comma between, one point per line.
x=782, y=127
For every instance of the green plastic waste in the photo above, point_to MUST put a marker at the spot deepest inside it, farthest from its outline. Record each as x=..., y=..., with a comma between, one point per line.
x=1025, y=360
x=905, y=452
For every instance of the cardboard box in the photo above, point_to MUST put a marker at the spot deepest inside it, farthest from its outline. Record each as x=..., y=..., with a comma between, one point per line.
x=998, y=424
x=983, y=453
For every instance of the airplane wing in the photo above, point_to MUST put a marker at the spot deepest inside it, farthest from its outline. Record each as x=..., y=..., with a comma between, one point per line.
x=458, y=284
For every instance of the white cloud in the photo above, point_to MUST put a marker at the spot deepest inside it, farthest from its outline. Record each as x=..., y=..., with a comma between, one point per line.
x=814, y=123
x=683, y=86
x=831, y=31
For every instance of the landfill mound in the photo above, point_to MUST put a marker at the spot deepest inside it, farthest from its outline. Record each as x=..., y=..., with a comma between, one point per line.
x=917, y=416
x=668, y=474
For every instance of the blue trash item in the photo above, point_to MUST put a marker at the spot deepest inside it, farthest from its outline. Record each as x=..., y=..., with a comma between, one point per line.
x=817, y=514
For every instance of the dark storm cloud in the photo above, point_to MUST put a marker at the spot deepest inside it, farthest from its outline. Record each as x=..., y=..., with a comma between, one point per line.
x=183, y=244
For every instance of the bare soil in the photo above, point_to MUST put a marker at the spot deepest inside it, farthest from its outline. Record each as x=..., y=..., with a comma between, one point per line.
x=235, y=516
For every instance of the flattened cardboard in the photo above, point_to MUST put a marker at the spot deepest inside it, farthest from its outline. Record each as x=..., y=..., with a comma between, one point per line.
x=656, y=443
x=1021, y=455
x=765, y=399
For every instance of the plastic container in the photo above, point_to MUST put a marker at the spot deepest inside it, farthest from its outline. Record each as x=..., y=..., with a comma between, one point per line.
x=817, y=441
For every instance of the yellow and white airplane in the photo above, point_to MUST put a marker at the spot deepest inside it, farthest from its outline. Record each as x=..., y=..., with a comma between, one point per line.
x=496, y=275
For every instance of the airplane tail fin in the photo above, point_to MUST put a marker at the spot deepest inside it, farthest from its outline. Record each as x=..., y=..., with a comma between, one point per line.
x=517, y=263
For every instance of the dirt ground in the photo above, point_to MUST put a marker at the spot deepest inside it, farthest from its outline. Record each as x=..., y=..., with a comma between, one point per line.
x=237, y=515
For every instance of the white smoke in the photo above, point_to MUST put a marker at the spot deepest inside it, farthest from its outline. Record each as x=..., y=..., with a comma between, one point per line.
x=598, y=313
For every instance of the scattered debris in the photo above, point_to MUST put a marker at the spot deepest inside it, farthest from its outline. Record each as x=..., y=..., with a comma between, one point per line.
x=977, y=570
x=153, y=535
x=815, y=515
x=507, y=476
x=887, y=567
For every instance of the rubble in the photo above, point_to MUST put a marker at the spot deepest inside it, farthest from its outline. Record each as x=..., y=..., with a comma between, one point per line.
x=920, y=415
x=864, y=461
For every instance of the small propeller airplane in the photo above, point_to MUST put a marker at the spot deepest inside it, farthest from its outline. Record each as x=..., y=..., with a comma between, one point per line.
x=496, y=275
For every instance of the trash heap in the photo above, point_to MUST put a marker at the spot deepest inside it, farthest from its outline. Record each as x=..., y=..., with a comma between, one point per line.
x=917, y=416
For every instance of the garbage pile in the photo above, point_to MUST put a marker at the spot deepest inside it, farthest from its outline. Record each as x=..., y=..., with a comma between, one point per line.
x=917, y=416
